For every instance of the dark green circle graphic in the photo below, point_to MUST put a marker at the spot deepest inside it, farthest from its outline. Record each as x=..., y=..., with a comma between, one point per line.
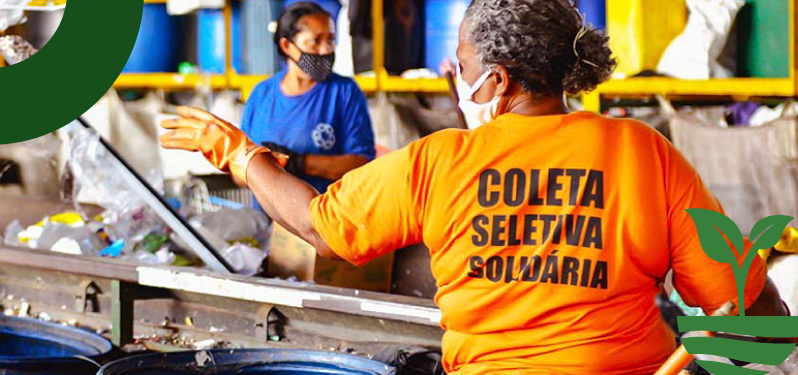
x=71, y=72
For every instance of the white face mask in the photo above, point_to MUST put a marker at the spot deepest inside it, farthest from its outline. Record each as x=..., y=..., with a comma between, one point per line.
x=476, y=114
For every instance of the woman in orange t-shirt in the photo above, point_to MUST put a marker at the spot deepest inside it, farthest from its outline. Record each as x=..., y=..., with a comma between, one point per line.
x=550, y=233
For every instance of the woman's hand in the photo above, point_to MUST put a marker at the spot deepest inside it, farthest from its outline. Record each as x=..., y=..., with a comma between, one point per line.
x=221, y=143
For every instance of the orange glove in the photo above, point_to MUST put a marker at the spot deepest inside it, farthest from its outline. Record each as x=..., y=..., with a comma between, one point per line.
x=222, y=144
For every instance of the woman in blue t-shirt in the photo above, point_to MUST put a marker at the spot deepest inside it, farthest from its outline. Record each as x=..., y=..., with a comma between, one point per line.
x=316, y=117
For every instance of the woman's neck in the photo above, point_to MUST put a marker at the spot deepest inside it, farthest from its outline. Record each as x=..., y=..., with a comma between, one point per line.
x=528, y=105
x=294, y=83
x=522, y=103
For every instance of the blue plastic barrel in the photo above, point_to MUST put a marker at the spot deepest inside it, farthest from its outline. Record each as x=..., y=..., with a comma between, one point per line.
x=595, y=12
x=157, y=47
x=247, y=362
x=211, y=39
x=32, y=347
x=443, y=18
x=331, y=6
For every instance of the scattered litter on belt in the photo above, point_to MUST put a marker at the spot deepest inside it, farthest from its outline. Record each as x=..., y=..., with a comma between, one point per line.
x=205, y=344
x=24, y=310
x=45, y=317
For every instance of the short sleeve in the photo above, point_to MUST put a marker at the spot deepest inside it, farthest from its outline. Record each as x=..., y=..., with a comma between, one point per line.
x=252, y=102
x=246, y=118
x=372, y=210
x=701, y=281
x=356, y=126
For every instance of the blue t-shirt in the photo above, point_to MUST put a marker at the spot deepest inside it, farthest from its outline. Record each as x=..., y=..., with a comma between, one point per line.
x=330, y=119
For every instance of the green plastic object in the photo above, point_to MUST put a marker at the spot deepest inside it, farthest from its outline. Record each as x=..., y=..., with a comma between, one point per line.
x=763, y=29
x=689, y=311
x=187, y=68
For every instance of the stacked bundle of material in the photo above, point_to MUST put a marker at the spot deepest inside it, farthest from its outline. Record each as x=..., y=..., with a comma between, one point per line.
x=15, y=49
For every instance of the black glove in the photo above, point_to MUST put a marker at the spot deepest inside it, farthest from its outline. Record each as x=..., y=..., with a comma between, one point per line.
x=296, y=162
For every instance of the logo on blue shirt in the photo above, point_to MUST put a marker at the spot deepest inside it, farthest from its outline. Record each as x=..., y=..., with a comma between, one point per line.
x=323, y=136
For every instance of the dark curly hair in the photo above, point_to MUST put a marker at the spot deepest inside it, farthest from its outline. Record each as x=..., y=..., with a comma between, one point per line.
x=544, y=44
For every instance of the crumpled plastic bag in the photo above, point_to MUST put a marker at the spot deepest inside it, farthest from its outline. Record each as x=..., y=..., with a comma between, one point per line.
x=242, y=236
x=127, y=216
x=231, y=225
x=162, y=256
x=96, y=176
x=694, y=54
x=245, y=259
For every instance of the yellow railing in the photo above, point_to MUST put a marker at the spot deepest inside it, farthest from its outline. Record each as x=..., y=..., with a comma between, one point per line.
x=382, y=82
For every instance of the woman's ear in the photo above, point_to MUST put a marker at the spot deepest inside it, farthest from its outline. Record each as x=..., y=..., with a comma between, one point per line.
x=285, y=46
x=502, y=77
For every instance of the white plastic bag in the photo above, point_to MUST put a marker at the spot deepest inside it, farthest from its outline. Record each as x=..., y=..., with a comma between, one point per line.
x=244, y=259
x=11, y=13
x=694, y=54
x=232, y=231
x=162, y=256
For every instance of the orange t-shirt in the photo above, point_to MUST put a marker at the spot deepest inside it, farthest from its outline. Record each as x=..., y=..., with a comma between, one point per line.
x=549, y=237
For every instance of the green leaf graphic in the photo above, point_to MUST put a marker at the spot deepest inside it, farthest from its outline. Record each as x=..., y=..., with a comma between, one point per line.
x=707, y=223
x=72, y=71
x=763, y=326
x=754, y=352
x=769, y=231
x=718, y=368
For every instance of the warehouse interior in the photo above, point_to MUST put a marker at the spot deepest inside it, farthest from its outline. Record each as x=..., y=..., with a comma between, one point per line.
x=113, y=246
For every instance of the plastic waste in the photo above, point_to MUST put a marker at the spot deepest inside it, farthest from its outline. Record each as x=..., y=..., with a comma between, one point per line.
x=694, y=54
x=688, y=310
x=740, y=113
x=162, y=256
x=14, y=13
x=245, y=259
x=114, y=249
x=95, y=174
x=242, y=236
x=765, y=114
x=127, y=216
x=63, y=238
x=11, y=235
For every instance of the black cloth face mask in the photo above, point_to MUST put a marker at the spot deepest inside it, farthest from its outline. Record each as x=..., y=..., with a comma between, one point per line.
x=318, y=67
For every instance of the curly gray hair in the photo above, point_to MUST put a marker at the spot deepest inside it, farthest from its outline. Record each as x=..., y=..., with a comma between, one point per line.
x=543, y=44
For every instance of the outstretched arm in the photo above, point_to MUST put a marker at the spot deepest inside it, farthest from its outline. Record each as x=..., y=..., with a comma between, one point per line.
x=285, y=198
